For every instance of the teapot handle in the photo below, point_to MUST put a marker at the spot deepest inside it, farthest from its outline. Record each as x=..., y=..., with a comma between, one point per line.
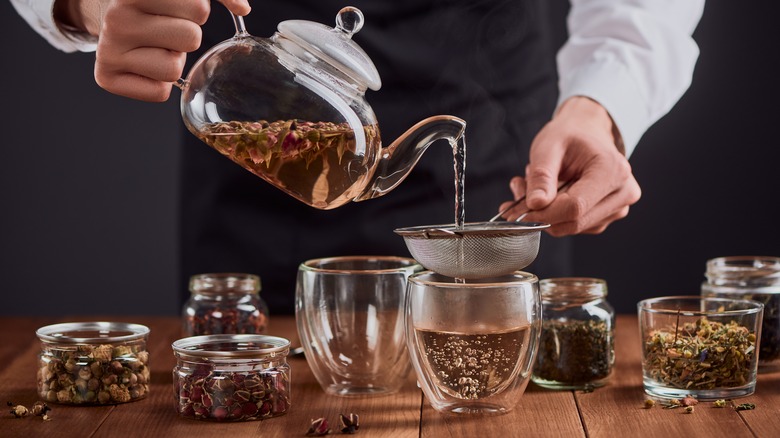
x=238, y=21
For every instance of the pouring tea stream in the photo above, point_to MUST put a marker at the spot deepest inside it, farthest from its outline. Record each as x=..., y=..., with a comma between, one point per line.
x=291, y=109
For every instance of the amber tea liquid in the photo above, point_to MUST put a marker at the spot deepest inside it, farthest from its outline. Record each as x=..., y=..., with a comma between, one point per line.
x=318, y=163
x=476, y=364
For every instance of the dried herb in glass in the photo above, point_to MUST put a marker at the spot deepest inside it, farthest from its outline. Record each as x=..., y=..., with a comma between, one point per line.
x=751, y=278
x=701, y=355
x=575, y=352
x=224, y=303
x=93, y=363
x=232, y=396
x=231, y=377
x=576, y=346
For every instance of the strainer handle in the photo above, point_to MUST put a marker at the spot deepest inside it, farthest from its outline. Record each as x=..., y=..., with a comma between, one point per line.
x=561, y=187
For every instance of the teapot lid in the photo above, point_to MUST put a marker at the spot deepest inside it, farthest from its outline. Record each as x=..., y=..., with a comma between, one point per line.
x=335, y=44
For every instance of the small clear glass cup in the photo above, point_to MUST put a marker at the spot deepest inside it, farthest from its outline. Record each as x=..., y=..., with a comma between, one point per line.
x=349, y=313
x=703, y=347
x=473, y=344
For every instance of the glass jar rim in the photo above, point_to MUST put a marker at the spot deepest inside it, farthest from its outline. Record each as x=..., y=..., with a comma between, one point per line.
x=572, y=289
x=431, y=278
x=64, y=332
x=249, y=346
x=743, y=269
x=225, y=282
x=749, y=306
x=340, y=264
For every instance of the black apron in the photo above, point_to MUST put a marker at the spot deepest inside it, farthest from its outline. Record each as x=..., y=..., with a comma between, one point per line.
x=489, y=62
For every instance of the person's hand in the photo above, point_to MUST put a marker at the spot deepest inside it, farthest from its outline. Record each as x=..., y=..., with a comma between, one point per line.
x=142, y=44
x=577, y=145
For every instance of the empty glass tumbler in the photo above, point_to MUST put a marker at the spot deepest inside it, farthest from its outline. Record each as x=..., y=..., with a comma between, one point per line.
x=473, y=344
x=349, y=312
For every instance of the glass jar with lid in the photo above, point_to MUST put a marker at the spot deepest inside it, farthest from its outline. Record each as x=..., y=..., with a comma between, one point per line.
x=231, y=377
x=224, y=303
x=577, y=343
x=93, y=363
x=754, y=278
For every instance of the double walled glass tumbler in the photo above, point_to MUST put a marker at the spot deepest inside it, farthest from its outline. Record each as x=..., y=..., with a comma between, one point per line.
x=704, y=347
x=473, y=344
x=349, y=312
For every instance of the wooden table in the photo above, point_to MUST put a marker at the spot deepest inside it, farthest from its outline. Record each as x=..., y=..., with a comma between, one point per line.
x=614, y=410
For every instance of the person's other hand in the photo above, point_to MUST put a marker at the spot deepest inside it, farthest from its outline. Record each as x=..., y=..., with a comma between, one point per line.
x=142, y=44
x=577, y=145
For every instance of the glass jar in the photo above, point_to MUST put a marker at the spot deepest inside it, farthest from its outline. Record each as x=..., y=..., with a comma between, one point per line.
x=93, y=363
x=224, y=303
x=753, y=278
x=231, y=377
x=577, y=345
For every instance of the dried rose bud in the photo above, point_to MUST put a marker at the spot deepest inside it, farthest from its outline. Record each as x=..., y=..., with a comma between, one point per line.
x=719, y=403
x=349, y=423
x=649, y=403
x=40, y=408
x=319, y=427
x=689, y=401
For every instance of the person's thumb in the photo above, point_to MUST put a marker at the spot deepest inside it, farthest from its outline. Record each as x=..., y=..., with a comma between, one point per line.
x=541, y=176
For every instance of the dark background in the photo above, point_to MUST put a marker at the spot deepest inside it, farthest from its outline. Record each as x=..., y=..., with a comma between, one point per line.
x=88, y=180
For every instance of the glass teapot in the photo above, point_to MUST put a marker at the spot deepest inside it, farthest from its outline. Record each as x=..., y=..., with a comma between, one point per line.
x=291, y=109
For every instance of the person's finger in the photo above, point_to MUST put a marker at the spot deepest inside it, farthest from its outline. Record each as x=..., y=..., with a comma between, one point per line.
x=542, y=172
x=570, y=215
x=136, y=87
x=172, y=33
x=151, y=62
x=238, y=7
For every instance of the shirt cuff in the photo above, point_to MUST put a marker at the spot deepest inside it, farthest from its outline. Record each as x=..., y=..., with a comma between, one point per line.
x=610, y=84
x=40, y=16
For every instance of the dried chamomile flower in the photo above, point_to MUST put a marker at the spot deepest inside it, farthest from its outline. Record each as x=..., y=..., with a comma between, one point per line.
x=649, y=403
x=673, y=403
x=18, y=411
x=719, y=403
x=319, y=427
x=689, y=409
x=349, y=423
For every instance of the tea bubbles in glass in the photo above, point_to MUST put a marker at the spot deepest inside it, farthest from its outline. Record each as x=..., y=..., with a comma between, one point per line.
x=473, y=344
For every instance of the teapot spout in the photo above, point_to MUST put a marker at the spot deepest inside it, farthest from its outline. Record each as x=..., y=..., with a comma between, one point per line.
x=402, y=155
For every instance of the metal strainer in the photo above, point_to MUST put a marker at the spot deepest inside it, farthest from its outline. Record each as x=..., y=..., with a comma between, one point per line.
x=476, y=250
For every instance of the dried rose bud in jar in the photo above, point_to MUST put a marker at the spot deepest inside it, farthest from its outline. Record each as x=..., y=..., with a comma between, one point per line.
x=224, y=303
x=231, y=377
x=93, y=363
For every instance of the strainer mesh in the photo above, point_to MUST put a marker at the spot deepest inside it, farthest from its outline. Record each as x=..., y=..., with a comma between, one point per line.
x=475, y=256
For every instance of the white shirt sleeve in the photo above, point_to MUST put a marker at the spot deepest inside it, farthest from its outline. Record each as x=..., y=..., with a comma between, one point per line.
x=634, y=57
x=39, y=14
